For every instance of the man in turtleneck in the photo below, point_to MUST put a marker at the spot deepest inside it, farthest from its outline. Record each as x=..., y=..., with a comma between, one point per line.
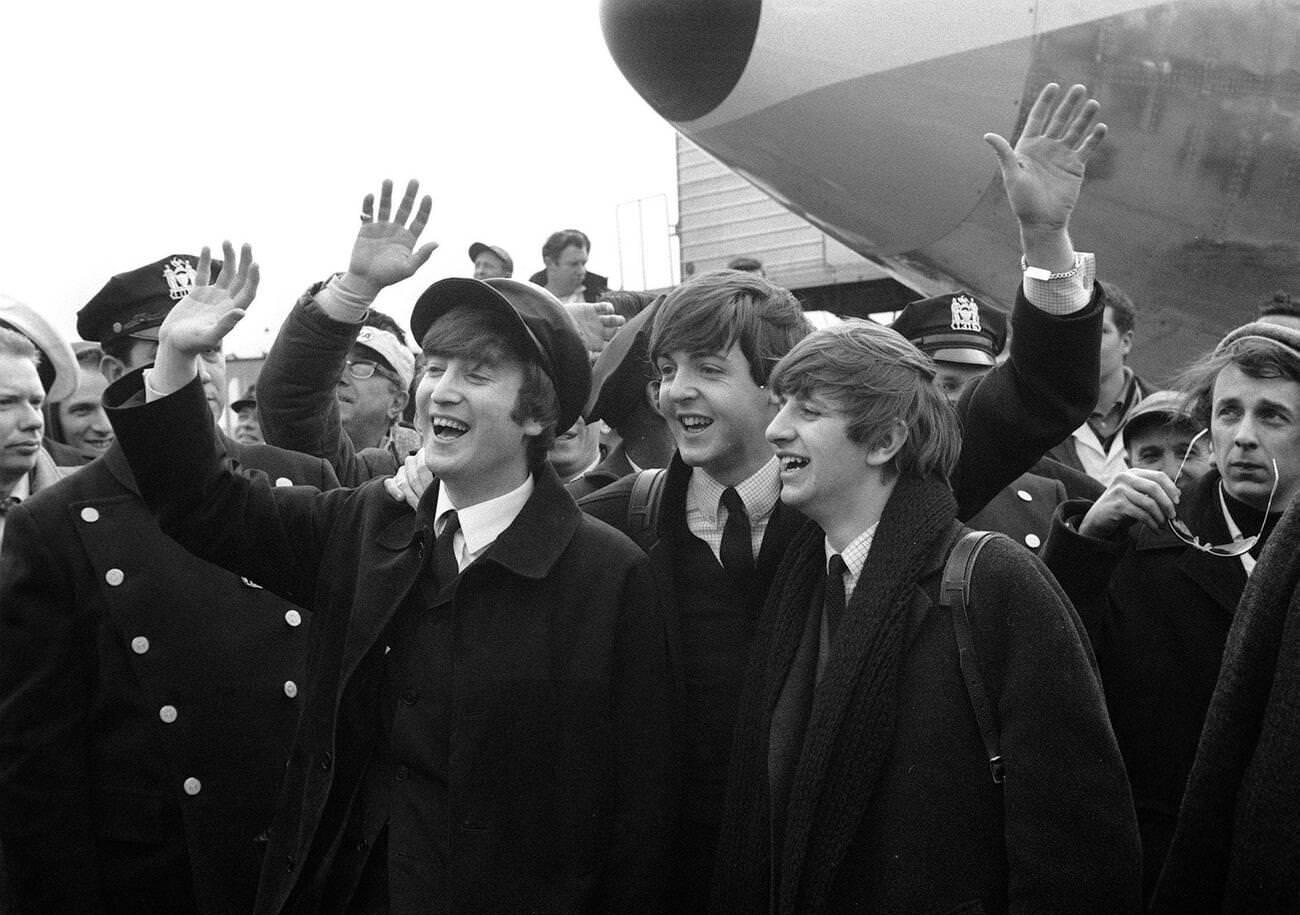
x=1156, y=566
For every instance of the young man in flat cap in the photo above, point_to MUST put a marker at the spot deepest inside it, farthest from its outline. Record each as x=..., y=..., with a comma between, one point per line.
x=486, y=728
x=1156, y=566
x=147, y=698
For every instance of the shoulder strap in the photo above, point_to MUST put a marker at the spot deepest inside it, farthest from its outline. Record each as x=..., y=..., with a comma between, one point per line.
x=643, y=506
x=954, y=593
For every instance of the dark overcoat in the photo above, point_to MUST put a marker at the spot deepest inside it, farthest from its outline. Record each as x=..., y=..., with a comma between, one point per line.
x=1158, y=612
x=924, y=829
x=147, y=700
x=557, y=779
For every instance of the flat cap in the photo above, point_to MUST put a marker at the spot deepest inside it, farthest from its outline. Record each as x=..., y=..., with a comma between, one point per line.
x=1283, y=335
x=58, y=368
x=245, y=400
x=547, y=329
x=954, y=327
x=133, y=304
x=1162, y=407
x=621, y=372
x=499, y=252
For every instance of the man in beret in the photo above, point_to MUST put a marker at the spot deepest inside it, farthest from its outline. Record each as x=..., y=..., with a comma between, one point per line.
x=147, y=698
x=965, y=336
x=490, y=261
x=487, y=716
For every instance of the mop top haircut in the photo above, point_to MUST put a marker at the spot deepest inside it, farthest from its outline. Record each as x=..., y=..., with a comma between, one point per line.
x=725, y=307
x=877, y=381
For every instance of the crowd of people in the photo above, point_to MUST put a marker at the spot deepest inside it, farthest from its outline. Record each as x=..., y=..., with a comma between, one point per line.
x=583, y=600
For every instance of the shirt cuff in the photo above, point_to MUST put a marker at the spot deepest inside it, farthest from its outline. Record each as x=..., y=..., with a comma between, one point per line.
x=341, y=303
x=1067, y=295
x=150, y=392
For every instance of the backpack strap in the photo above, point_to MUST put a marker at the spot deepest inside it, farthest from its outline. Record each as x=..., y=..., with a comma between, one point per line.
x=954, y=593
x=643, y=506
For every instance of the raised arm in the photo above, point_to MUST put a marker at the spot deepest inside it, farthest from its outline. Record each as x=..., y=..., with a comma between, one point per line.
x=1047, y=387
x=296, y=389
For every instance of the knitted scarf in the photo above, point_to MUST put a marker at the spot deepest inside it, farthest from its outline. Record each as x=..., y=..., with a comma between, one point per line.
x=851, y=723
x=1237, y=845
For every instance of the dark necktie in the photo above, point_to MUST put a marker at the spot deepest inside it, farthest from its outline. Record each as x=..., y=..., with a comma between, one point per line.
x=835, y=570
x=445, y=567
x=737, y=550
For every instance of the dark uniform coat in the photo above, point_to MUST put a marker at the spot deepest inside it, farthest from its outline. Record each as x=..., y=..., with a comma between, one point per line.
x=1158, y=612
x=147, y=701
x=889, y=805
x=557, y=774
x=1024, y=510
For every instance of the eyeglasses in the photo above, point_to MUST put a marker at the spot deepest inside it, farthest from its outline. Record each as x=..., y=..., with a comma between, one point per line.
x=1238, y=546
x=362, y=370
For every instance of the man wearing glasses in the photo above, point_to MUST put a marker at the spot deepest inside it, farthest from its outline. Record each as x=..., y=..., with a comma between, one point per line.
x=373, y=389
x=1156, y=566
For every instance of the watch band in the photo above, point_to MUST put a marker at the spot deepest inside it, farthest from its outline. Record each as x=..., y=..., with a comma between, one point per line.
x=1044, y=275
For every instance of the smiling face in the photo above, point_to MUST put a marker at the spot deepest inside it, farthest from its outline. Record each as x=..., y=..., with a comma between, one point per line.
x=1255, y=421
x=21, y=420
x=368, y=406
x=488, y=265
x=82, y=420
x=472, y=442
x=822, y=469
x=716, y=413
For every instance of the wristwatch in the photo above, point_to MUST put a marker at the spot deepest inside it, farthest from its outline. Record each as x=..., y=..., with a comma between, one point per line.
x=1043, y=274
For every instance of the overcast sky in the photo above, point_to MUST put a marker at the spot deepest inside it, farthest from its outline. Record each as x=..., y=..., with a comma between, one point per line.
x=134, y=130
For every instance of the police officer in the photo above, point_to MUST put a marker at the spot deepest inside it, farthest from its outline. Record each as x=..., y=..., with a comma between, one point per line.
x=965, y=336
x=147, y=698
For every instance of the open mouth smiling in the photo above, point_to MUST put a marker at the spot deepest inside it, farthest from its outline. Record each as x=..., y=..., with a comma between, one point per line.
x=445, y=427
x=694, y=423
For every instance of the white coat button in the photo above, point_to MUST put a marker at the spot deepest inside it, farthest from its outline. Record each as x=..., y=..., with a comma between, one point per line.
x=90, y=513
x=290, y=688
x=293, y=617
x=1024, y=496
x=192, y=786
x=139, y=644
x=283, y=481
x=1032, y=541
x=167, y=713
x=114, y=577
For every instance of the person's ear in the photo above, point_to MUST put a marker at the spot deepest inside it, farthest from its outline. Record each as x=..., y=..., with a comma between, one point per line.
x=112, y=368
x=398, y=404
x=886, y=444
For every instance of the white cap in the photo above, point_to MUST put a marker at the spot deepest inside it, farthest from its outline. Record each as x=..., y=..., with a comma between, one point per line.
x=393, y=351
x=58, y=362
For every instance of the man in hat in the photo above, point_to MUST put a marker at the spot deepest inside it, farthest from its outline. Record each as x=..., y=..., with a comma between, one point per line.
x=1162, y=434
x=965, y=336
x=487, y=716
x=21, y=422
x=375, y=384
x=147, y=698
x=246, y=430
x=79, y=421
x=490, y=261
x=1156, y=565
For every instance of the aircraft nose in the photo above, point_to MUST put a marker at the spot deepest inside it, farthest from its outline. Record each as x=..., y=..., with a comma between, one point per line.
x=683, y=56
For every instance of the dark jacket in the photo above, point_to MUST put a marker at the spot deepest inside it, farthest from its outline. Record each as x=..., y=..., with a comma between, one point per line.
x=594, y=285
x=296, y=404
x=147, y=701
x=613, y=468
x=890, y=803
x=1237, y=846
x=1024, y=509
x=557, y=774
x=1158, y=612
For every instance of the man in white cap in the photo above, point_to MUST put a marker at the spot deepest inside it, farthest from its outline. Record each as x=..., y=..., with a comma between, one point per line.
x=490, y=261
x=56, y=364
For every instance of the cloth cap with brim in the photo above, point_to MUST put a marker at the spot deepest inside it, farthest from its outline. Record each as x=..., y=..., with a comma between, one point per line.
x=58, y=366
x=134, y=303
x=249, y=399
x=479, y=247
x=389, y=348
x=954, y=327
x=546, y=329
x=1162, y=407
x=1280, y=334
x=621, y=372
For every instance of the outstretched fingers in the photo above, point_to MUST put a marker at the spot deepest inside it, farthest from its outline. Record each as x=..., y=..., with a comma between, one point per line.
x=385, y=199
x=407, y=203
x=422, y=215
x=1040, y=110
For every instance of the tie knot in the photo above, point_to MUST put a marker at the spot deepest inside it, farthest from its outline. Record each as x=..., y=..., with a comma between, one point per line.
x=450, y=524
x=732, y=502
x=836, y=565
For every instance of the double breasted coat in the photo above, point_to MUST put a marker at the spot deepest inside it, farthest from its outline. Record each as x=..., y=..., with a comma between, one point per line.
x=558, y=770
x=147, y=700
